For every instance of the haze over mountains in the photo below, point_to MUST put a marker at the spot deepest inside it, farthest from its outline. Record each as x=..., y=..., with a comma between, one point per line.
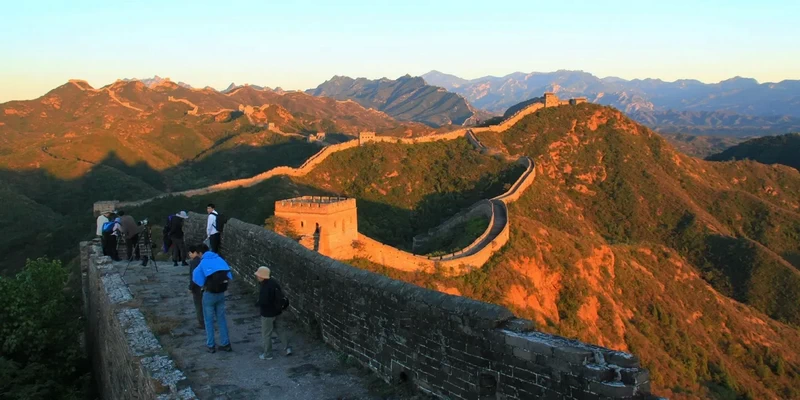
x=406, y=98
x=737, y=106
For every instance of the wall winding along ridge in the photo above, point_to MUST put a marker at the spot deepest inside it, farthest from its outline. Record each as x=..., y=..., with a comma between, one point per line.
x=463, y=261
x=328, y=150
x=460, y=262
x=447, y=346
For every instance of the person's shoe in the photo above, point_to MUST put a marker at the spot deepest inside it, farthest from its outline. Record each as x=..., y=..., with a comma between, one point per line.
x=227, y=348
x=288, y=351
x=185, y=264
x=174, y=263
x=264, y=356
x=211, y=349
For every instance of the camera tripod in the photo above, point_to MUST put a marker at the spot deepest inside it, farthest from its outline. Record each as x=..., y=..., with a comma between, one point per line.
x=145, y=246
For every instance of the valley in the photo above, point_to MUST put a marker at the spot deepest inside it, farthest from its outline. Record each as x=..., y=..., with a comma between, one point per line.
x=621, y=241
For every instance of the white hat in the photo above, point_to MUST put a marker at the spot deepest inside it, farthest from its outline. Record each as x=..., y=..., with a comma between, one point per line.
x=182, y=214
x=263, y=273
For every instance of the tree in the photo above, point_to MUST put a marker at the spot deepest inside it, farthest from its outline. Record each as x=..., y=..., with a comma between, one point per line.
x=40, y=354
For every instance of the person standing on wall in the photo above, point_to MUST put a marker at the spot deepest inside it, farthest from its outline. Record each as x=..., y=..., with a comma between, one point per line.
x=271, y=302
x=102, y=220
x=213, y=228
x=213, y=275
x=131, y=231
x=176, y=236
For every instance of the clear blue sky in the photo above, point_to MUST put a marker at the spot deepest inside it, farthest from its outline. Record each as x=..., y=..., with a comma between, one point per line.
x=299, y=44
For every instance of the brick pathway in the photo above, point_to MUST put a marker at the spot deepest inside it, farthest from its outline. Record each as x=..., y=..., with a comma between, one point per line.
x=314, y=371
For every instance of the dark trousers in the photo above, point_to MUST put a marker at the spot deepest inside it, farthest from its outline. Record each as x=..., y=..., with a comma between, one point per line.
x=214, y=242
x=198, y=307
x=178, y=250
x=110, y=246
x=130, y=244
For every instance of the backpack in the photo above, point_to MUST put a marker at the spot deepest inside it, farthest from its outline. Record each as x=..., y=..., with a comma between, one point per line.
x=219, y=225
x=166, y=226
x=108, y=227
x=217, y=282
x=281, y=300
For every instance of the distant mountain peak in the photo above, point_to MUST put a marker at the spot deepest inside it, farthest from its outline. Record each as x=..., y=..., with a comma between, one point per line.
x=407, y=98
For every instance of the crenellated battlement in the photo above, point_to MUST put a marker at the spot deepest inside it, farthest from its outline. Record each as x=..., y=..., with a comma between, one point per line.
x=315, y=204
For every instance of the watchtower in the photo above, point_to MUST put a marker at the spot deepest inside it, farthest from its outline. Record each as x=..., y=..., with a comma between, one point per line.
x=328, y=225
x=365, y=137
x=103, y=206
x=577, y=100
x=550, y=99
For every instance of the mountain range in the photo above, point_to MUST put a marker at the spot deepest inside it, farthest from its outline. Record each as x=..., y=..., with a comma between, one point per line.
x=131, y=139
x=621, y=241
x=737, y=106
x=406, y=98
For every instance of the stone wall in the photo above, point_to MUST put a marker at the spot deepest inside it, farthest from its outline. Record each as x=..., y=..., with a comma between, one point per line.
x=127, y=360
x=317, y=158
x=447, y=346
x=482, y=208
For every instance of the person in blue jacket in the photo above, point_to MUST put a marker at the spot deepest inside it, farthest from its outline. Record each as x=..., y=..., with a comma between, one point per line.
x=213, y=275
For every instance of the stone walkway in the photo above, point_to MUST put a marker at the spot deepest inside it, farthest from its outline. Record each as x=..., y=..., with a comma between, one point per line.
x=314, y=371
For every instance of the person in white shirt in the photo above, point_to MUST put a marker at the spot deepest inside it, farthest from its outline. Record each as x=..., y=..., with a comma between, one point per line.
x=212, y=234
x=102, y=219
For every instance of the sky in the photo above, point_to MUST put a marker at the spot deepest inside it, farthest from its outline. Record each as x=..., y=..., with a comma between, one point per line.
x=300, y=44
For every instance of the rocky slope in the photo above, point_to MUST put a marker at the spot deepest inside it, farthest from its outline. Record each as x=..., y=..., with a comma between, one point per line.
x=406, y=98
x=784, y=149
x=129, y=140
x=625, y=242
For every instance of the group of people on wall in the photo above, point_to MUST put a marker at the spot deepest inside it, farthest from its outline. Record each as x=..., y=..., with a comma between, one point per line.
x=209, y=273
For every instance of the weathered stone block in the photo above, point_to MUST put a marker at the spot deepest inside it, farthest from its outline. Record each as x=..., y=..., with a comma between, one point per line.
x=612, y=389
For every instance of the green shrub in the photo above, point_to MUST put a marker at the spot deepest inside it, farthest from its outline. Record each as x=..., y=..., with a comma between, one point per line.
x=40, y=354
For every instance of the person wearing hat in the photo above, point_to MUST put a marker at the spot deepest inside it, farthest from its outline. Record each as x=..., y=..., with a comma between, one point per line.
x=271, y=302
x=176, y=236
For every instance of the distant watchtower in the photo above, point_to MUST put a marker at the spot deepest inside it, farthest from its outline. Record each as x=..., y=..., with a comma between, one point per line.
x=365, y=137
x=103, y=206
x=550, y=99
x=577, y=100
x=328, y=225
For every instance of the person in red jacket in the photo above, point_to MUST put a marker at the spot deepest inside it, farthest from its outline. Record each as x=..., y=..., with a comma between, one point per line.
x=271, y=302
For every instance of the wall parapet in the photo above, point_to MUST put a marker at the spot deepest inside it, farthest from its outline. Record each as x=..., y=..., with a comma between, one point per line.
x=446, y=346
x=127, y=359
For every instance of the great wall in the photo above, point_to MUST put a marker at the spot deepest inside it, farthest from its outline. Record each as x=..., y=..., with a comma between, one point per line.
x=475, y=255
x=445, y=346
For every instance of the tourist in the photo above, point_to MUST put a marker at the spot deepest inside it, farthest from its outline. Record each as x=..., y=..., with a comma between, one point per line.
x=176, y=237
x=272, y=302
x=102, y=220
x=130, y=231
x=212, y=231
x=213, y=275
x=195, y=253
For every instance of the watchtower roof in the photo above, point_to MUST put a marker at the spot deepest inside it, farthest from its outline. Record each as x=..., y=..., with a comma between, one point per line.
x=315, y=199
x=315, y=204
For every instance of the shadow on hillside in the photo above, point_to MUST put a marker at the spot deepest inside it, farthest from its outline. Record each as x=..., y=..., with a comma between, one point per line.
x=59, y=211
